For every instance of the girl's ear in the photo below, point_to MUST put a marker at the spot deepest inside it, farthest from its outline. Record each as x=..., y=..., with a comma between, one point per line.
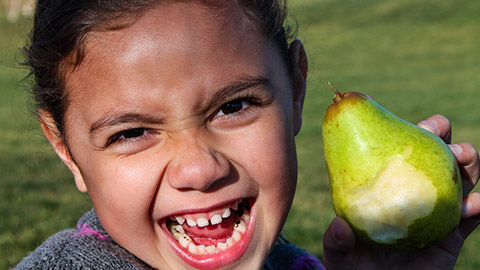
x=52, y=134
x=300, y=70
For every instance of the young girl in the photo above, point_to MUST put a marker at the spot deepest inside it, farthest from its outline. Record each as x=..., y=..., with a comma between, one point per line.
x=178, y=118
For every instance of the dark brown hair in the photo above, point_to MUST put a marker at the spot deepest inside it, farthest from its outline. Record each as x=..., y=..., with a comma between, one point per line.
x=61, y=27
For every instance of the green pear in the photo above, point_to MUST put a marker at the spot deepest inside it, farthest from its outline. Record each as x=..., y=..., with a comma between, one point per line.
x=396, y=184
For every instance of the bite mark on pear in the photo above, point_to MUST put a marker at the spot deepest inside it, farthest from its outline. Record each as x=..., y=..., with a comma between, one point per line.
x=389, y=204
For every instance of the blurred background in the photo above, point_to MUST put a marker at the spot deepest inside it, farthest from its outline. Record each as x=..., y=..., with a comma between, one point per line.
x=415, y=58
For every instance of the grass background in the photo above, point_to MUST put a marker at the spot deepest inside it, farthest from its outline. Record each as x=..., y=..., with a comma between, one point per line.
x=416, y=58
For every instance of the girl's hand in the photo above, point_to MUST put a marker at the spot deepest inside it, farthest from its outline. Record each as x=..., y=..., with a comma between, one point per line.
x=342, y=251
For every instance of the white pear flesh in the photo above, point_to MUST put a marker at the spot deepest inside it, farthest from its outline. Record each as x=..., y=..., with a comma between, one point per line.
x=389, y=204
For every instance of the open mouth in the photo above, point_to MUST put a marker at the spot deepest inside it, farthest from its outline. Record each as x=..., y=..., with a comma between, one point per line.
x=213, y=232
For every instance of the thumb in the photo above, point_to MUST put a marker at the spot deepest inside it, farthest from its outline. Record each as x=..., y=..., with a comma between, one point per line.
x=338, y=246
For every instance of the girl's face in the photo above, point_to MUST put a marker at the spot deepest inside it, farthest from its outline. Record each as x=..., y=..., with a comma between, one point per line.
x=182, y=126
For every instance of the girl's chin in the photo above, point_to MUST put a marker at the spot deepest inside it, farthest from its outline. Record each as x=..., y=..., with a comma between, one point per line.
x=213, y=246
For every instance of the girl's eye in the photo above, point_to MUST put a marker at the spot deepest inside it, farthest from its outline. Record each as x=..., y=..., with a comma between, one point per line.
x=233, y=107
x=128, y=135
x=132, y=133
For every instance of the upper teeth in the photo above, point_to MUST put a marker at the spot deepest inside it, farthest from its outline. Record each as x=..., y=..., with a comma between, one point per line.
x=203, y=221
x=227, y=213
x=216, y=219
x=180, y=220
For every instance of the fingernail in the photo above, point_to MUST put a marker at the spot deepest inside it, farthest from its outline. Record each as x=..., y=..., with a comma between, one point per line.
x=457, y=150
x=466, y=208
x=428, y=125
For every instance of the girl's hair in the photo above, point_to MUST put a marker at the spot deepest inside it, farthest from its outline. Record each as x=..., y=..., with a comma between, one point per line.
x=61, y=27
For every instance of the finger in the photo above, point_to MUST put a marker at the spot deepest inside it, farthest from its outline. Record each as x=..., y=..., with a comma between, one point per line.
x=471, y=205
x=471, y=214
x=468, y=161
x=439, y=125
x=338, y=245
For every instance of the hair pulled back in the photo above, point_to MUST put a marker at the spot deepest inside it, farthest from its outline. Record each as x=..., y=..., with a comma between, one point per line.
x=61, y=27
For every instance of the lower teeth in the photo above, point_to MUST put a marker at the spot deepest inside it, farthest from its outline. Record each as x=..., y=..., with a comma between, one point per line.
x=186, y=241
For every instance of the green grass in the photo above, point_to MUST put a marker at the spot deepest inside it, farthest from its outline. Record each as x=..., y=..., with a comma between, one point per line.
x=37, y=194
x=416, y=58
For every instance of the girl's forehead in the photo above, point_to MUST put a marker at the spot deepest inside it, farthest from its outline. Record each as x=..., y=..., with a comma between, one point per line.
x=172, y=29
x=194, y=24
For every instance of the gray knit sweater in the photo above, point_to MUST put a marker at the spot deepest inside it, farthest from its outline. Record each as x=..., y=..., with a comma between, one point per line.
x=89, y=247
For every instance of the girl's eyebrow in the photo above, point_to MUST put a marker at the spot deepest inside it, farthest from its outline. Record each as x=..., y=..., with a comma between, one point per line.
x=245, y=83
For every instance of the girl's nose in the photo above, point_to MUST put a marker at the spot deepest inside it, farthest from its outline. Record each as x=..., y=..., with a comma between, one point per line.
x=196, y=167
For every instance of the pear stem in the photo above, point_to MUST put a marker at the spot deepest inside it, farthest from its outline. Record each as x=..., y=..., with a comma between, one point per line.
x=338, y=95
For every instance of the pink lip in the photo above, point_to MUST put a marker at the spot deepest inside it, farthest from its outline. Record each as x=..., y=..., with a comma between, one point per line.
x=213, y=261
